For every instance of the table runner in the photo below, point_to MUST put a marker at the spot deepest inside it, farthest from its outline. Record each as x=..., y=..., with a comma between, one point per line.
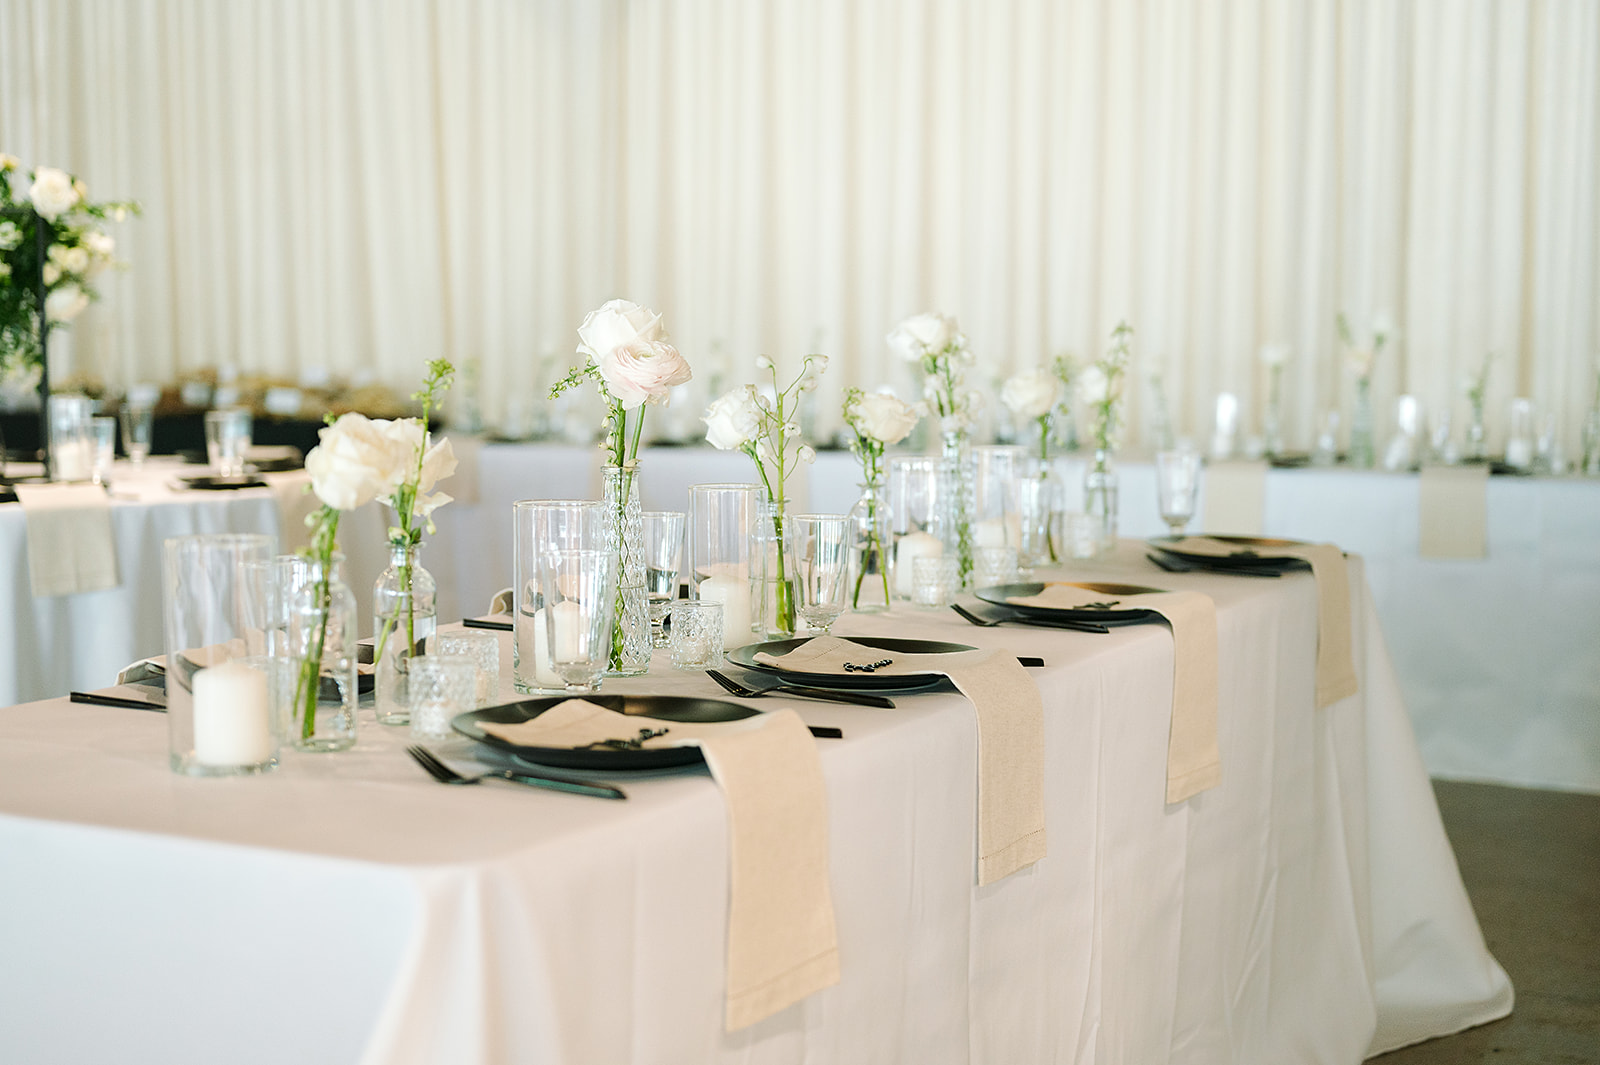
x=70, y=545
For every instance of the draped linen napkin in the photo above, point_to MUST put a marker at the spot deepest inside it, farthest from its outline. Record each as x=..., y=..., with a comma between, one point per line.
x=782, y=941
x=1453, y=512
x=292, y=492
x=1336, y=671
x=1010, y=737
x=71, y=547
x=1193, y=761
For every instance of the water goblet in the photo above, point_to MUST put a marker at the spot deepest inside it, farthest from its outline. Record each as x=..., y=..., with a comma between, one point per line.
x=663, y=546
x=819, y=550
x=579, y=587
x=138, y=423
x=1177, y=484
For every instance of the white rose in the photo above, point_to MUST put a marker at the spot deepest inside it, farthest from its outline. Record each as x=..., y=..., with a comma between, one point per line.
x=1093, y=386
x=52, y=193
x=8, y=162
x=616, y=323
x=65, y=303
x=885, y=418
x=1274, y=355
x=922, y=334
x=642, y=372
x=100, y=244
x=1360, y=361
x=51, y=274
x=733, y=420
x=75, y=261
x=1031, y=394
x=10, y=235
x=355, y=462
x=437, y=464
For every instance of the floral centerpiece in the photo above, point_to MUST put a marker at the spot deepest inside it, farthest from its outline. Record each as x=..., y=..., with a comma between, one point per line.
x=632, y=363
x=767, y=428
x=877, y=421
x=1476, y=388
x=1273, y=357
x=1360, y=359
x=52, y=248
x=1100, y=390
x=936, y=345
x=1031, y=396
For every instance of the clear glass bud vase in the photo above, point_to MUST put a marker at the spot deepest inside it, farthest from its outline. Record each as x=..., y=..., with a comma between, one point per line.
x=630, y=629
x=870, y=560
x=404, y=611
x=776, y=601
x=1100, y=498
x=1040, y=497
x=1477, y=437
x=958, y=491
x=1361, y=453
x=322, y=643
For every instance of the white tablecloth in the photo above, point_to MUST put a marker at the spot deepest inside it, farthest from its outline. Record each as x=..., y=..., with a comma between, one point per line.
x=347, y=908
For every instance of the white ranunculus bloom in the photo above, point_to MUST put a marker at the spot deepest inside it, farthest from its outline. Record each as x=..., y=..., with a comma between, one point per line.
x=886, y=418
x=1031, y=394
x=65, y=303
x=356, y=462
x=733, y=420
x=922, y=334
x=616, y=323
x=642, y=372
x=52, y=193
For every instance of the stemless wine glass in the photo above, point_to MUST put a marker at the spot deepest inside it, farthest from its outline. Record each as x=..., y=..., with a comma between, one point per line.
x=137, y=426
x=663, y=546
x=578, y=587
x=1177, y=484
x=540, y=525
x=102, y=448
x=228, y=433
x=819, y=551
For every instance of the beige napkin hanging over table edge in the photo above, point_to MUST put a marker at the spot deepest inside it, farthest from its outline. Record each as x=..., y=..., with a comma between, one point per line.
x=1010, y=713
x=72, y=547
x=782, y=936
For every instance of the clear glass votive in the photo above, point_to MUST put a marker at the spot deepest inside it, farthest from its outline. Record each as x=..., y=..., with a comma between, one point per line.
x=1080, y=534
x=994, y=565
x=483, y=648
x=935, y=580
x=138, y=425
x=580, y=590
x=228, y=434
x=102, y=448
x=71, y=439
x=442, y=686
x=696, y=640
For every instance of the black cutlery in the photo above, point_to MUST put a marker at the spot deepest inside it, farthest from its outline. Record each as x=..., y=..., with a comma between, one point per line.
x=130, y=702
x=480, y=623
x=445, y=775
x=800, y=691
x=1024, y=619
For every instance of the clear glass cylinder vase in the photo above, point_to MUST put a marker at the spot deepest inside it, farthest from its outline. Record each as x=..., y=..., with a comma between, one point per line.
x=871, y=529
x=1100, y=498
x=1477, y=437
x=958, y=493
x=630, y=627
x=1040, y=497
x=1361, y=452
x=323, y=655
x=775, y=600
x=405, y=613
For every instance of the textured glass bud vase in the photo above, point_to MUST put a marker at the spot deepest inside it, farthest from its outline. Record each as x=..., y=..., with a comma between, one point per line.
x=1100, y=499
x=958, y=492
x=870, y=531
x=322, y=641
x=404, y=611
x=1360, y=453
x=630, y=626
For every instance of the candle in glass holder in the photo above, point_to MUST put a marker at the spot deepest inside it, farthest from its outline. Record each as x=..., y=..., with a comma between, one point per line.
x=567, y=617
x=911, y=547
x=734, y=595
x=231, y=721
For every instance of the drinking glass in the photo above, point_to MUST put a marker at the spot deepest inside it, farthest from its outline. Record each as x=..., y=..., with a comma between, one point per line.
x=539, y=525
x=483, y=648
x=722, y=563
x=579, y=588
x=1077, y=533
x=442, y=686
x=227, y=438
x=993, y=566
x=138, y=425
x=914, y=506
x=71, y=446
x=1177, y=484
x=819, y=555
x=996, y=520
x=935, y=580
x=102, y=448
x=663, y=548
x=696, y=634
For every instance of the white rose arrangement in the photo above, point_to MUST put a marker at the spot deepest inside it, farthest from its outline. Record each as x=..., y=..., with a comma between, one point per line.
x=877, y=421
x=768, y=430
x=1031, y=396
x=1100, y=388
x=936, y=344
x=1361, y=358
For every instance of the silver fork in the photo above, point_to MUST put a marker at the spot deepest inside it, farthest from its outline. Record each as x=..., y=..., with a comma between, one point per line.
x=445, y=775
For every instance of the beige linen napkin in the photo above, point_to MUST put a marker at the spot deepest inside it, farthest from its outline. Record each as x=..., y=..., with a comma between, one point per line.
x=782, y=942
x=71, y=547
x=1194, y=763
x=1453, y=512
x=1010, y=737
x=292, y=492
x=1236, y=497
x=1336, y=671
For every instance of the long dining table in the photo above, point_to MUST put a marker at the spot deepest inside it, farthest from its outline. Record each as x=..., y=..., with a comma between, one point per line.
x=347, y=908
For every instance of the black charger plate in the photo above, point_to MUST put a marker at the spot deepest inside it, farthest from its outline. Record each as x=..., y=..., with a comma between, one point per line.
x=1120, y=614
x=904, y=682
x=664, y=707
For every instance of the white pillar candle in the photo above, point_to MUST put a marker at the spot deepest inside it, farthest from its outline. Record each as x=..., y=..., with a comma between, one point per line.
x=72, y=460
x=990, y=533
x=231, y=721
x=567, y=617
x=912, y=546
x=734, y=595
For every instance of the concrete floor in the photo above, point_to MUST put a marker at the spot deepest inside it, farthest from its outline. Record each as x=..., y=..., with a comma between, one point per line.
x=1531, y=863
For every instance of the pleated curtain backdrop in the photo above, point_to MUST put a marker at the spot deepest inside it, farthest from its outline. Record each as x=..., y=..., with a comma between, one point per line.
x=363, y=184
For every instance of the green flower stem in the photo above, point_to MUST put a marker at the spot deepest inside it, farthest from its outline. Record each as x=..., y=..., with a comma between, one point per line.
x=309, y=685
x=1044, y=475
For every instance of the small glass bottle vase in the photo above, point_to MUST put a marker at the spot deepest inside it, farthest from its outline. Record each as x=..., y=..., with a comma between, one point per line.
x=958, y=491
x=1361, y=453
x=871, y=532
x=322, y=642
x=404, y=611
x=777, y=597
x=630, y=629
x=1100, y=499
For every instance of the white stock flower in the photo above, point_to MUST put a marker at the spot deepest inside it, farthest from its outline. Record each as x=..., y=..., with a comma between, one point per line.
x=886, y=418
x=1274, y=355
x=101, y=245
x=763, y=363
x=733, y=420
x=65, y=303
x=1031, y=394
x=10, y=235
x=355, y=463
x=52, y=192
x=51, y=273
x=1093, y=386
x=923, y=334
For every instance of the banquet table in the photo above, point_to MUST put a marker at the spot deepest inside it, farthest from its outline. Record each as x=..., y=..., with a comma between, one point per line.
x=347, y=908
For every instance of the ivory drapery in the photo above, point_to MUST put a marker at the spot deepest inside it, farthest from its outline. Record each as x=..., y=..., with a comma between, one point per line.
x=364, y=184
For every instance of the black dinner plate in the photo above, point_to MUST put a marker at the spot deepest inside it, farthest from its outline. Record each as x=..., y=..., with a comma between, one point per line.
x=1116, y=612
x=1252, y=552
x=1290, y=460
x=905, y=682
x=222, y=484
x=665, y=707
x=283, y=465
